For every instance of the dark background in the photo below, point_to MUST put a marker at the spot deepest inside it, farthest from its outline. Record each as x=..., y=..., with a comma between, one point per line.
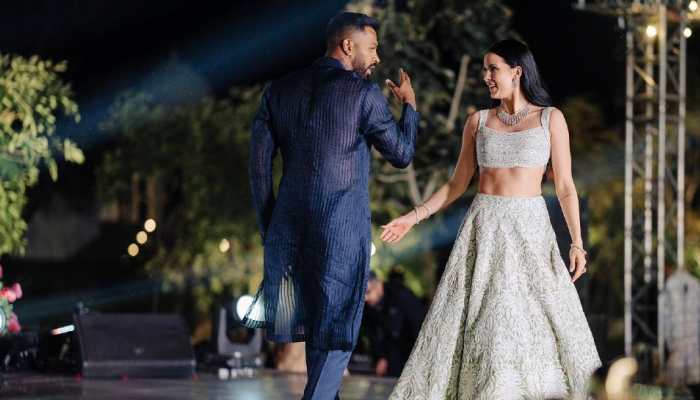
x=111, y=46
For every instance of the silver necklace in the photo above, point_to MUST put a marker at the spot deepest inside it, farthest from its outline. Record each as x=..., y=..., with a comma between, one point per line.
x=512, y=119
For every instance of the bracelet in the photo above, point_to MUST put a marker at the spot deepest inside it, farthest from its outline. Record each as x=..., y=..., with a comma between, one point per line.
x=579, y=248
x=427, y=210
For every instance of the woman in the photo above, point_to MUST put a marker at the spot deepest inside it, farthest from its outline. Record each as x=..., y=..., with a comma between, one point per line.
x=506, y=321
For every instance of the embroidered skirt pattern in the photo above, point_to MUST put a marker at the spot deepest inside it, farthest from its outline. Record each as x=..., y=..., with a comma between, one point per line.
x=506, y=321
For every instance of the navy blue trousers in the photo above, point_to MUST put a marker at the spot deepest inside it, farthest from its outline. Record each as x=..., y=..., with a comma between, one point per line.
x=325, y=371
x=325, y=368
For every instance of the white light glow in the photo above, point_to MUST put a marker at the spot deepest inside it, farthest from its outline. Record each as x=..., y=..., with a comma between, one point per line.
x=244, y=302
x=224, y=245
x=63, y=329
x=141, y=237
x=224, y=373
x=619, y=376
x=651, y=31
x=149, y=225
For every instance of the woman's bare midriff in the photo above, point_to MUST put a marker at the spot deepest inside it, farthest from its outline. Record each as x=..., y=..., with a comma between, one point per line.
x=511, y=182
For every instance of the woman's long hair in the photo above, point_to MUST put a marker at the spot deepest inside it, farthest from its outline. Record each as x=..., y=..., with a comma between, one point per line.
x=517, y=54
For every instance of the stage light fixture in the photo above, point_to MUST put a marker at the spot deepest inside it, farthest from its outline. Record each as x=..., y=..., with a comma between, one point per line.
x=238, y=348
x=693, y=6
x=687, y=32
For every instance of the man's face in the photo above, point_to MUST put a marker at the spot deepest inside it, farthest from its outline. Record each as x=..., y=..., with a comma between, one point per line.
x=364, y=56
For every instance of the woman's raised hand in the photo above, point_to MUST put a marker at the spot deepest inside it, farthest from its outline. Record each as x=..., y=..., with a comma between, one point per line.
x=398, y=228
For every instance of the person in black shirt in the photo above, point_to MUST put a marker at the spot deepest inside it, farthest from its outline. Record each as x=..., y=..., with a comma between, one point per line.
x=393, y=318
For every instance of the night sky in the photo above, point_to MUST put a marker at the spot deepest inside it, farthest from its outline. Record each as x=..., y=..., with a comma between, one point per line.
x=111, y=46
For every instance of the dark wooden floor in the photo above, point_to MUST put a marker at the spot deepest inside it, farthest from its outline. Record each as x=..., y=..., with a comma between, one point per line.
x=266, y=385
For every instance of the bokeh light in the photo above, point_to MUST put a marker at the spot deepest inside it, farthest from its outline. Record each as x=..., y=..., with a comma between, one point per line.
x=224, y=245
x=651, y=31
x=141, y=237
x=133, y=250
x=150, y=225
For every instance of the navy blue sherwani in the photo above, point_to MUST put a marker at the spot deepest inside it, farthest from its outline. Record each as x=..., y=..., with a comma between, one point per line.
x=316, y=232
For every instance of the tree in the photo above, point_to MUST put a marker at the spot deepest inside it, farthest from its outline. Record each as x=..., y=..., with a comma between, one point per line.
x=196, y=155
x=32, y=97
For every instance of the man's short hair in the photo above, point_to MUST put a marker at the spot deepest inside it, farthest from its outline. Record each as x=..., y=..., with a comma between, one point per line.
x=341, y=23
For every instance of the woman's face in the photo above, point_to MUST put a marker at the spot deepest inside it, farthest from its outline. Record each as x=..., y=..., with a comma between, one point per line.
x=499, y=77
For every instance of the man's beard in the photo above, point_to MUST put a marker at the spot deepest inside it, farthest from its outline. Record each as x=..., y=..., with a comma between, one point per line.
x=364, y=70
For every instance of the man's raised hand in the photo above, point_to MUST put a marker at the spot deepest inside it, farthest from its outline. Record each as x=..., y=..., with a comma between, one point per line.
x=403, y=91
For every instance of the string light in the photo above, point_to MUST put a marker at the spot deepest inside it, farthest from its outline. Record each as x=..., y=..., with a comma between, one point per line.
x=141, y=237
x=133, y=250
x=150, y=225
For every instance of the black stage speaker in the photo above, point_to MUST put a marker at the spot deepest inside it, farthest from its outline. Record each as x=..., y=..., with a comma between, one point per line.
x=134, y=345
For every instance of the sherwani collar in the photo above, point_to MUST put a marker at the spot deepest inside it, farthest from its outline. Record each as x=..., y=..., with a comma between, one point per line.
x=329, y=62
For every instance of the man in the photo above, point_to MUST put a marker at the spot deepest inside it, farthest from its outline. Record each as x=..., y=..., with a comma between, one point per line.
x=316, y=233
x=393, y=321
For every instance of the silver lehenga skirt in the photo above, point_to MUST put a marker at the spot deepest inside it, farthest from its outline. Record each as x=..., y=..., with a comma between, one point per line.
x=506, y=321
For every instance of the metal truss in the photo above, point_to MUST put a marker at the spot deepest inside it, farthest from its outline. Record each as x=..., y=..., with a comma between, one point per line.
x=655, y=94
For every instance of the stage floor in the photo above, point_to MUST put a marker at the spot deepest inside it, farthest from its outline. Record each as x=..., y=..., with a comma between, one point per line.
x=267, y=385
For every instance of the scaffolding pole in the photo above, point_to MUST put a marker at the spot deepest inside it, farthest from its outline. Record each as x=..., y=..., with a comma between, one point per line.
x=654, y=157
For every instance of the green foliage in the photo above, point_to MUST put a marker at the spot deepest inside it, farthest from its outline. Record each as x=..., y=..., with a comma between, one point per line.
x=198, y=155
x=32, y=96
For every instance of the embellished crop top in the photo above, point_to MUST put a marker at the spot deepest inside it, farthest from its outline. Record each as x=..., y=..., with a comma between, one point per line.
x=525, y=148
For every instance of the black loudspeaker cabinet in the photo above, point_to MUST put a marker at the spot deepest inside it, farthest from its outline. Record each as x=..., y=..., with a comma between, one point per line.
x=134, y=345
